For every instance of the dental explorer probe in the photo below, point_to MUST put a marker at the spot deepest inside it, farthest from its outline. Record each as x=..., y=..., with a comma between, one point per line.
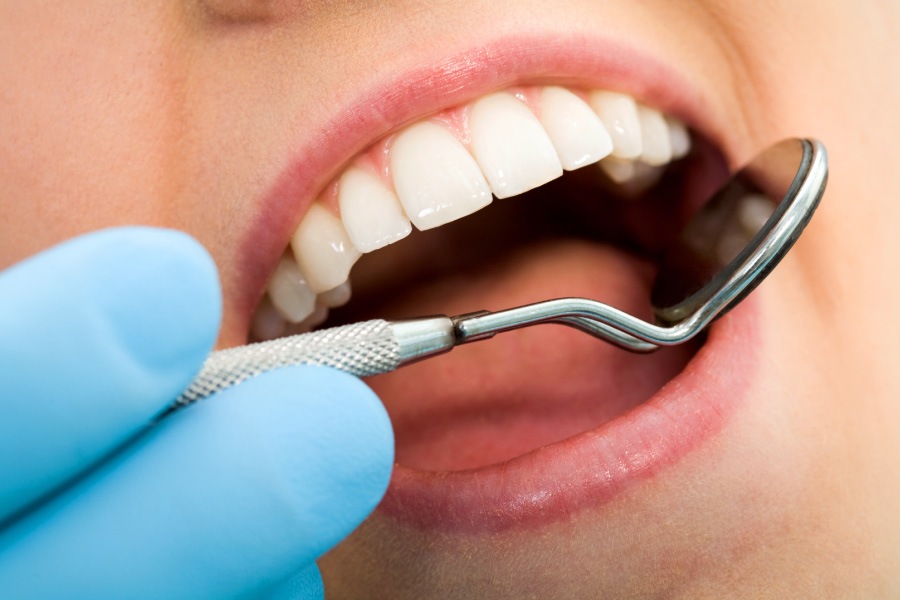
x=725, y=251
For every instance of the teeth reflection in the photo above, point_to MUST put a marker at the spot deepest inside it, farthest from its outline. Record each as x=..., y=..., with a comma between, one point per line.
x=511, y=146
x=620, y=115
x=657, y=148
x=753, y=212
x=577, y=133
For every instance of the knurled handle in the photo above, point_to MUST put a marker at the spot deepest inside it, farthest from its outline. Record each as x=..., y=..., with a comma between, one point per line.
x=361, y=349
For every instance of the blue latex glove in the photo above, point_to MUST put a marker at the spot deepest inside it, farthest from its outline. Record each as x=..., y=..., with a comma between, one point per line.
x=235, y=496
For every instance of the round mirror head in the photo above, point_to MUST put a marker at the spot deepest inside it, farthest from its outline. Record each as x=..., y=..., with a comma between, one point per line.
x=738, y=237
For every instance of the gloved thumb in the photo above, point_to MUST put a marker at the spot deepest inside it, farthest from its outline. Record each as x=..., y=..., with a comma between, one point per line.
x=226, y=497
x=338, y=448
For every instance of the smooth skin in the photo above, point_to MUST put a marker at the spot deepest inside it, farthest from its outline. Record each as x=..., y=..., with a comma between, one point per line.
x=182, y=115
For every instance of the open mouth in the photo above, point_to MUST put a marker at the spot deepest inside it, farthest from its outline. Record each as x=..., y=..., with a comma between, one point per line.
x=517, y=142
x=520, y=195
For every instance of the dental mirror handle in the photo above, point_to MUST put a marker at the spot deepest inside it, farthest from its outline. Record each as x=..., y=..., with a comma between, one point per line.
x=361, y=349
x=379, y=346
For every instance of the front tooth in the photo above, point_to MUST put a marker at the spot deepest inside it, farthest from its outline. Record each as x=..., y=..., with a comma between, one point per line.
x=657, y=149
x=436, y=178
x=619, y=113
x=577, y=133
x=679, y=138
x=289, y=292
x=370, y=211
x=511, y=146
x=323, y=249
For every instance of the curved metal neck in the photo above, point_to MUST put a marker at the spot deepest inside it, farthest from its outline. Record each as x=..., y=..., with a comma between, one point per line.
x=592, y=317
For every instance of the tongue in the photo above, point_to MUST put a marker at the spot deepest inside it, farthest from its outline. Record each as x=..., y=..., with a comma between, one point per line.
x=494, y=400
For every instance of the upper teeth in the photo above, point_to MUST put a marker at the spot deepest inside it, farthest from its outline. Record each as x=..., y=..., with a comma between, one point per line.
x=447, y=167
x=435, y=177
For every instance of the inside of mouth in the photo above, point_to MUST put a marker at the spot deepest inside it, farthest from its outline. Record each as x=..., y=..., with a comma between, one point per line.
x=581, y=205
x=498, y=399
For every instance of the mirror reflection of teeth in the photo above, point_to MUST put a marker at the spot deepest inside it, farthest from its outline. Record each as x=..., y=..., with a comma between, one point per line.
x=755, y=210
x=434, y=172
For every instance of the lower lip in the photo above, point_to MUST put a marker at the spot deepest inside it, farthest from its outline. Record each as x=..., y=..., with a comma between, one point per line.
x=554, y=482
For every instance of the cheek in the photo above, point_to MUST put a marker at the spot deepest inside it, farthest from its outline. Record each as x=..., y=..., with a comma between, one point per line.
x=89, y=93
x=837, y=78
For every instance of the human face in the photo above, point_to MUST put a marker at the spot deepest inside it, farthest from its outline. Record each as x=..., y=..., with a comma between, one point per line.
x=760, y=462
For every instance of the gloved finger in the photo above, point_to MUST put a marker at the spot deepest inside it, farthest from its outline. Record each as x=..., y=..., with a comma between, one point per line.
x=305, y=584
x=227, y=497
x=96, y=336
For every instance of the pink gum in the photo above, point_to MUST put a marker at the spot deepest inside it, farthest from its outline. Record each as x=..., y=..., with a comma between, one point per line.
x=377, y=158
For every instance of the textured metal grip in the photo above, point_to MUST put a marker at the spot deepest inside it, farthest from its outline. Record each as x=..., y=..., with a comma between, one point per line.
x=361, y=349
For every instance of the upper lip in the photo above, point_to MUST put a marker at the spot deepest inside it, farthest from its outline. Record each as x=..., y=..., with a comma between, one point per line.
x=384, y=106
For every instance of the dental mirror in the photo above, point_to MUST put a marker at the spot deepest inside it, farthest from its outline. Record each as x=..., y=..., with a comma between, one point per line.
x=741, y=234
x=726, y=250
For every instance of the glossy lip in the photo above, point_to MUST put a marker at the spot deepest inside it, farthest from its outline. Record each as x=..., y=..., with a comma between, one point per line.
x=557, y=481
x=587, y=62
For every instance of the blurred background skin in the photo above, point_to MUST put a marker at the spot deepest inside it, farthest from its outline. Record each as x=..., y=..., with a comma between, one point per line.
x=183, y=114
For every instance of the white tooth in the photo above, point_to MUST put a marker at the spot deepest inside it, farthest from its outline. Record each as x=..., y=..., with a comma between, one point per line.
x=657, y=150
x=267, y=323
x=370, y=211
x=335, y=297
x=511, y=146
x=679, y=138
x=436, y=178
x=753, y=213
x=578, y=134
x=323, y=250
x=618, y=169
x=314, y=320
x=619, y=113
x=289, y=292
x=633, y=177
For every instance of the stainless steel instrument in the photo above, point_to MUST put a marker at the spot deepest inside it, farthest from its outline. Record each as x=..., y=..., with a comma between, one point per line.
x=725, y=251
